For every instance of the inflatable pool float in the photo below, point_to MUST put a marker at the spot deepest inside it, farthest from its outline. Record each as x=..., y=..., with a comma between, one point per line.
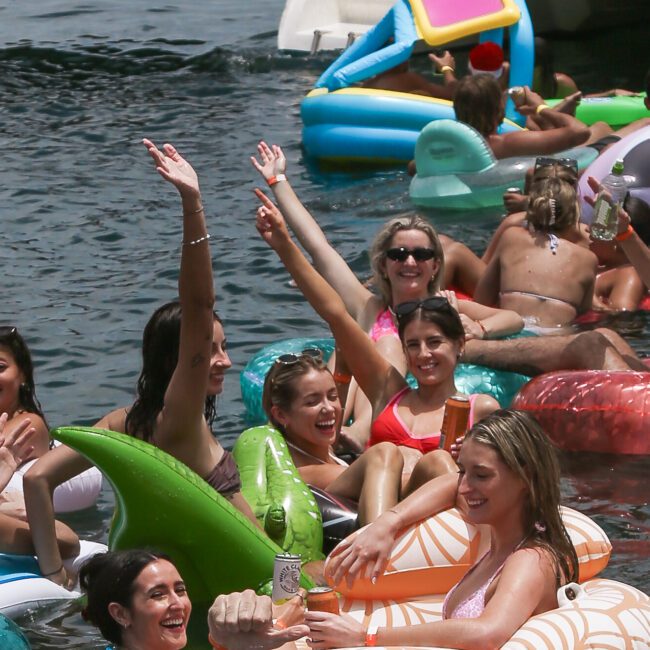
x=348, y=126
x=634, y=149
x=615, y=111
x=11, y=637
x=299, y=518
x=23, y=588
x=79, y=493
x=456, y=169
x=591, y=410
x=161, y=503
x=501, y=384
x=605, y=613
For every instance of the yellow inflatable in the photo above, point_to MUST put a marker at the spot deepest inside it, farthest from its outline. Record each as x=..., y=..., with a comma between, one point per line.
x=434, y=554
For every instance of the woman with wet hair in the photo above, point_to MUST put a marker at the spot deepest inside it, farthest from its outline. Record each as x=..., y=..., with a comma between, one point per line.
x=432, y=336
x=137, y=599
x=408, y=263
x=540, y=271
x=509, y=480
x=184, y=363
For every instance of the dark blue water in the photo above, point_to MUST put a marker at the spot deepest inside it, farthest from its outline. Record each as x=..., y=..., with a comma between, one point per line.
x=91, y=234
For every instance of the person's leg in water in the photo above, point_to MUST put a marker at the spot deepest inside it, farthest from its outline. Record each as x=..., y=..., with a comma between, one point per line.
x=593, y=350
x=374, y=479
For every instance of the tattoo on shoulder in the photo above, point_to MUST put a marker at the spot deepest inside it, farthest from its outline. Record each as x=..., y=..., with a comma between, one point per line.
x=197, y=360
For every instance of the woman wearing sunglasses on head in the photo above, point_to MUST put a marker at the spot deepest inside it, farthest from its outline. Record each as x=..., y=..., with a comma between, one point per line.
x=432, y=336
x=408, y=263
x=540, y=271
x=184, y=362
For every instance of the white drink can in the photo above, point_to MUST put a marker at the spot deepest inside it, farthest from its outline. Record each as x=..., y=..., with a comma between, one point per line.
x=286, y=577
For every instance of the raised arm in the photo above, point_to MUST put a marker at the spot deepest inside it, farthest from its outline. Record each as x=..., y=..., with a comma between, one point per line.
x=272, y=165
x=378, y=379
x=182, y=414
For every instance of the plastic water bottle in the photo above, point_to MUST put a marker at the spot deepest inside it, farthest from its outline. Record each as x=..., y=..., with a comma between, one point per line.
x=605, y=222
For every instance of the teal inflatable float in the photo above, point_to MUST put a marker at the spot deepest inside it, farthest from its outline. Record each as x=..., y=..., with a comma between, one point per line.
x=162, y=504
x=11, y=637
x=456, y=169
x=502, y=385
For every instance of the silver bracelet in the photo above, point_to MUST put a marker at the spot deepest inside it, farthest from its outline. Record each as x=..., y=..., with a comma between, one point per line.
x=196, y=241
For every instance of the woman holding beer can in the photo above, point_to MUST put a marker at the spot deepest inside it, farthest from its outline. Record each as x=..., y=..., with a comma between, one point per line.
x=508, y=480
x=432, y=337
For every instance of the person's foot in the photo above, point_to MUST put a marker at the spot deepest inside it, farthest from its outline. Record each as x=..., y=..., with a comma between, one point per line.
x=569, y=104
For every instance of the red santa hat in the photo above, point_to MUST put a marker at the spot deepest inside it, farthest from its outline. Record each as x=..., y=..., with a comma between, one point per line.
x=486, y=58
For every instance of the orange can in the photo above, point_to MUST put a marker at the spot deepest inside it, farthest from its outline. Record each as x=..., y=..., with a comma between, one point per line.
x=454, y=421
x=322, y=599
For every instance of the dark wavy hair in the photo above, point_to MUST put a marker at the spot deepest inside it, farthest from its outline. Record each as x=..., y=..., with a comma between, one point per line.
x=109, y=578
x=524, y=447
x=160, y=343
x=11, y=338
x=446, y=318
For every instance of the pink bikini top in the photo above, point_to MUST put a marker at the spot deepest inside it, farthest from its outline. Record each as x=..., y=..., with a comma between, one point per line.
x=384, y=325
x=474, y=604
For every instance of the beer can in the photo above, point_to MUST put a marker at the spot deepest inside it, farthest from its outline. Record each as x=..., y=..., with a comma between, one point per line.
x=517, y=94
x=286, y=577
x=322, y=599
x=454, y=421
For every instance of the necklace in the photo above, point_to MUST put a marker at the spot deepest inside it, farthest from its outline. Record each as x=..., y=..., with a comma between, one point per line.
x=318, y=460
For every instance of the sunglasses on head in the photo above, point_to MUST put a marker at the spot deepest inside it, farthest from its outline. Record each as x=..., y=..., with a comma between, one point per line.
x=569, y=163
x=7, y=330
x=290, y=358
x=401, y=254
x=436, y=303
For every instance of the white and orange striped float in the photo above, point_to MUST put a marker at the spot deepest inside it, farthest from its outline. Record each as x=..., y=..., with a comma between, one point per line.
x=434, y=554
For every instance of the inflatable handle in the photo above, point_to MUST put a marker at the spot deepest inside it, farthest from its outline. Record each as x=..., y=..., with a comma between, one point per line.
x=569, y=593
x=277, y=494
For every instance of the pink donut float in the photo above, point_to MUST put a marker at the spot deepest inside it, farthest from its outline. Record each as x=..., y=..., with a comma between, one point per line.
x=591, y=410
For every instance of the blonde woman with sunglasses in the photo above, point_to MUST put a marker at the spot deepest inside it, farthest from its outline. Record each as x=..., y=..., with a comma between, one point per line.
x=432, y=337
x=408, y=263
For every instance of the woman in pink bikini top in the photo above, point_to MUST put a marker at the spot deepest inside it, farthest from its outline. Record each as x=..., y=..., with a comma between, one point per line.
x=508, y=480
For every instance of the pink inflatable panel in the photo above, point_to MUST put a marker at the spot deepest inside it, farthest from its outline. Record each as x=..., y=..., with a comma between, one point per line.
x=591, y=410
x=442, y=13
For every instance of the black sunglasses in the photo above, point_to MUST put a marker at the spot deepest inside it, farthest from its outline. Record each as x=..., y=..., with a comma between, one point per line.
x=436, y=303
x=290, y=358
x=401, y=254
x=569, y=163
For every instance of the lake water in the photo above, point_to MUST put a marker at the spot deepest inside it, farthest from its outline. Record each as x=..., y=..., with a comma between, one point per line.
x=91, y=234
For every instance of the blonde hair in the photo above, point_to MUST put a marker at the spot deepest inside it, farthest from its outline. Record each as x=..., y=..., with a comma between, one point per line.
x=522, y=445
x=382, y=243
x=553, y=199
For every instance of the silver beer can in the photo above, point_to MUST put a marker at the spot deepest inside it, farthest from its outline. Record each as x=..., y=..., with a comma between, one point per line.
x=286, y=577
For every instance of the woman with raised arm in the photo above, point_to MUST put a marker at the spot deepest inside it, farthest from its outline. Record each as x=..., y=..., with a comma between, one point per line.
x=184, y=361
x=408, y=263
x=432, y=336
x=508, y=480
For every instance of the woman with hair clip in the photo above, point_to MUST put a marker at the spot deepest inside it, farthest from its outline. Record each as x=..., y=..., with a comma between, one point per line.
x=407, y=263
x=184, y=362
x=509, y=480
x=432, y=336
x=541, y=271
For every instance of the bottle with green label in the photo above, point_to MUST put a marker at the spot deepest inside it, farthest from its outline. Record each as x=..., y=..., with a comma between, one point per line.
x=614, y=188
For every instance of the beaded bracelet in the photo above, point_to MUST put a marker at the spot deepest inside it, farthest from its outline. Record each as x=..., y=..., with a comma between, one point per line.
x=196, y=241
x=626, y=234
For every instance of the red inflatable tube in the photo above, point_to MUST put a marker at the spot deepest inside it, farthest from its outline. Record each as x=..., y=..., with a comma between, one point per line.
x=591, y=410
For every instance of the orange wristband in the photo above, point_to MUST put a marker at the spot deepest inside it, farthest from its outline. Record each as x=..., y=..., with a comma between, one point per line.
x=341, y=378
x=274, y=180
x=626, y=234
x=371, y=637
x=214, y=644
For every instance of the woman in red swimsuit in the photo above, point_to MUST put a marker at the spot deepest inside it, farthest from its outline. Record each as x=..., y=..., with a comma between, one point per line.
x=407, y=262
x=432, y=337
